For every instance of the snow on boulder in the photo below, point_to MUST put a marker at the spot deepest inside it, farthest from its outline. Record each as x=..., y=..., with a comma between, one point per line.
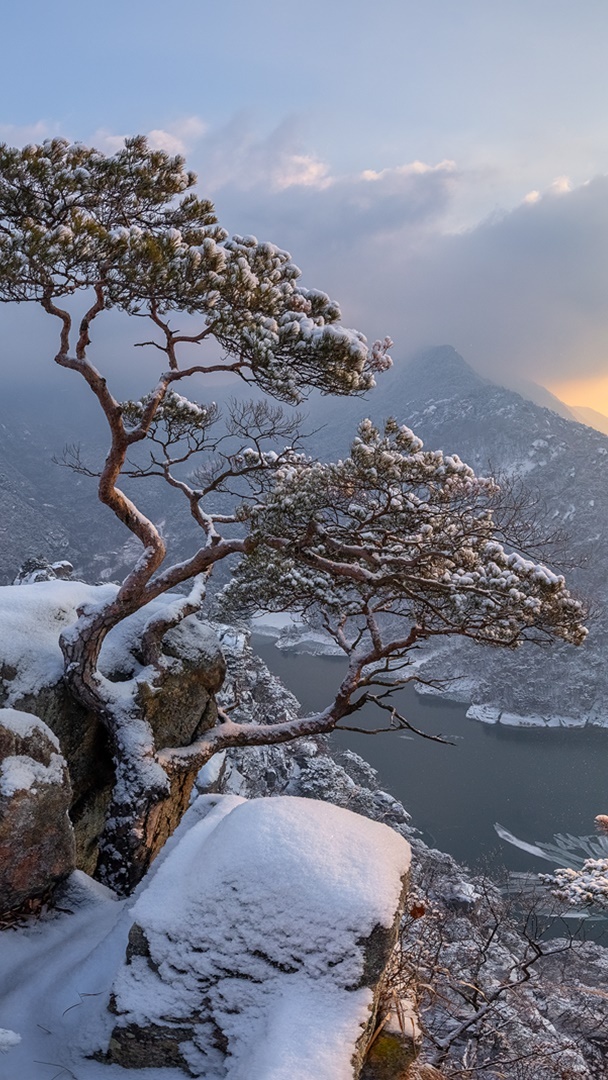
x=32, y=618
x=260, y=945
x=36, y=836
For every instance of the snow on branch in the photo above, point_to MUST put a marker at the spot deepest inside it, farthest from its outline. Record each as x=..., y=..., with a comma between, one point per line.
x=395, y=530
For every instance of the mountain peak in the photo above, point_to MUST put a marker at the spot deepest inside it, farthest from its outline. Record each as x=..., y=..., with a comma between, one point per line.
x=438, y=373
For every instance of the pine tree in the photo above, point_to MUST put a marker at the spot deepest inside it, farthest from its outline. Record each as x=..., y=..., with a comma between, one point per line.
x=388, y=548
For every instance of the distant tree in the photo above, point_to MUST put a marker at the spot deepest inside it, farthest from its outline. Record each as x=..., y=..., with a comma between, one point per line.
x=389, y=547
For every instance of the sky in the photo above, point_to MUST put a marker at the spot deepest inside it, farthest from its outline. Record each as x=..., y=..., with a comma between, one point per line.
x=441, y=168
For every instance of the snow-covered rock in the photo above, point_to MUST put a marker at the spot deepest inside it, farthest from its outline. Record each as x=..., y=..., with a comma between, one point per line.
x=259, y=946
x=36, y=836
x=40, y=569
x=32, y=618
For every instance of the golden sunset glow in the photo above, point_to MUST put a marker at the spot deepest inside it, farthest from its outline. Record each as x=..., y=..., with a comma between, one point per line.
x=590, y=392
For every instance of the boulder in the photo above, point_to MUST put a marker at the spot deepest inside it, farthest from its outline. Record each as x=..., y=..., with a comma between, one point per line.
x=259, y=947
x=32, y=618
x=36, y=836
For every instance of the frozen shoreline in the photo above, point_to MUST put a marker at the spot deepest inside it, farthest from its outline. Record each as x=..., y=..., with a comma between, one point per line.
x=290, y=635
x=491, y=714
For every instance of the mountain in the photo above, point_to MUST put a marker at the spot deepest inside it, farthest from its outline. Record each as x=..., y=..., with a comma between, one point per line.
x=563, y=463
x=532, y=391
x=47, y=510
x=591, y=417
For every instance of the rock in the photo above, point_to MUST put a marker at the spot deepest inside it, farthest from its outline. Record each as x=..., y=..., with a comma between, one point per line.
x=62, y=569
x=32, y=618
x=186, y=705
x=460, y=896
x=261, y=944
x=38, y=569
x=389, y=1058
x=36, y=836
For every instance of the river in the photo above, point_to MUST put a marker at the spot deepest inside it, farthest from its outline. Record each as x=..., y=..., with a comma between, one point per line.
x=535, y=782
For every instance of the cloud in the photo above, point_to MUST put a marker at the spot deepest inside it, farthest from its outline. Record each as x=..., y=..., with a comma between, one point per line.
x=180, y=137
x=415, y=168
x=22, y=134
x=561, y=186
x=520, y=294
x=301, y=170
x=106, y=141
x=235, y=156
x=271, y=186
x=523, y=293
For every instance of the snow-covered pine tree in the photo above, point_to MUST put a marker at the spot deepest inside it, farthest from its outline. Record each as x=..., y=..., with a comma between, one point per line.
x=390, y=547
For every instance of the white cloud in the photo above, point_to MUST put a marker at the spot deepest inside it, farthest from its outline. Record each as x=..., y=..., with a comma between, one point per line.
x=21, y=134
x=164, y=140
x=189, y=129
x=300, y=170
x=178, y=138
x=237, y=157
x=561, y=185
x=105, y=140
x=414, y=168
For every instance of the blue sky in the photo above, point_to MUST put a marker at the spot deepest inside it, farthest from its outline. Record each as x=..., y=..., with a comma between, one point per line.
x=428, y=163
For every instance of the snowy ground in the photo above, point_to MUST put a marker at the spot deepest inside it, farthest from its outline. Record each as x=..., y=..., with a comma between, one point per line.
x=55, y=977
x=298, y=878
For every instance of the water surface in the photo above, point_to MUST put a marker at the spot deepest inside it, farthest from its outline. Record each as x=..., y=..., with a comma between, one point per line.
x=535, y=782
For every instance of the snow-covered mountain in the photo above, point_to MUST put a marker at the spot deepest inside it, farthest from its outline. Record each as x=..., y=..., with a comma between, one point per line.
x=48, y=510
x=566, y=463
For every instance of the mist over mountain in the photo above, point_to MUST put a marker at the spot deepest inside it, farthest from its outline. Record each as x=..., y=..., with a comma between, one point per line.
x=46, y=509
x=592, y=417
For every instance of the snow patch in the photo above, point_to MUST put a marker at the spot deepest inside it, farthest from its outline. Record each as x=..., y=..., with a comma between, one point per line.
x=8, y=1039
x=21, y=773
x=23, y=725
x=211, y=772
x=514, y=720
x=32, y=618
x=487, y=714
